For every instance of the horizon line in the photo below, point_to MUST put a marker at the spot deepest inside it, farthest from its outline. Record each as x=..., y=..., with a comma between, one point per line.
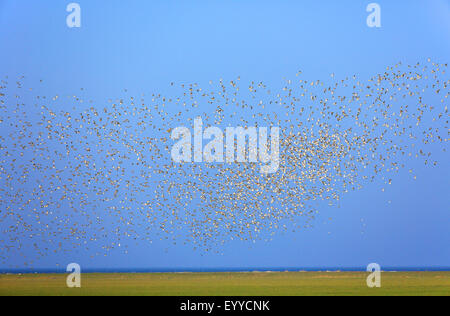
x=225, y=269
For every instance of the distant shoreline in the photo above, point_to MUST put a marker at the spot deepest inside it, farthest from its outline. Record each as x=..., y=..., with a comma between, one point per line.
x=222, y=270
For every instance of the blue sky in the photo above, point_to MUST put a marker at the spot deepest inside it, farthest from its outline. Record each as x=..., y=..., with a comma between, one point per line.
x=143, y=46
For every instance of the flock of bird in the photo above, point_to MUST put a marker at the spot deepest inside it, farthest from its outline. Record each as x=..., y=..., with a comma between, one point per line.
x=78, y=175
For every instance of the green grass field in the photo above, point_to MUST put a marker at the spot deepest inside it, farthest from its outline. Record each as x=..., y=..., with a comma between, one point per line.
x=229, y=284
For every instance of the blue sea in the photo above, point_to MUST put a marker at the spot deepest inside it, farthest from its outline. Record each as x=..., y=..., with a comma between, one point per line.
x=244, y=269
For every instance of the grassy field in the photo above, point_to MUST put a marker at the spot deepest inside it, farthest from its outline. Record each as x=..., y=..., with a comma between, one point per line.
x=229, y=284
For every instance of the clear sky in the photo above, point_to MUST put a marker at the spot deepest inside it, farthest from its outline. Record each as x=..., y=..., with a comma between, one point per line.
x=143, y=46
